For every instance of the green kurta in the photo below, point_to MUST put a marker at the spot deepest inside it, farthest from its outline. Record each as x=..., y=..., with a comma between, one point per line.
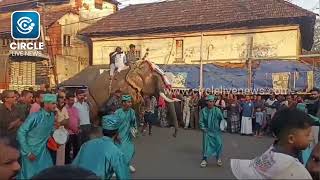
x=128, y=119
x=33, y=136
x=212, y=139
x=104, y=158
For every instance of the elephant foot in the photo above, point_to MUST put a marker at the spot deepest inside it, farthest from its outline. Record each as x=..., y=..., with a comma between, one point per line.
x=175, y=132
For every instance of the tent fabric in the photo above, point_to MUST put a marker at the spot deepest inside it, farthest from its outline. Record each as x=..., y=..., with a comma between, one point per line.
x=263, y=74
x=217, y=76
x=213, y=76
x=317, y=78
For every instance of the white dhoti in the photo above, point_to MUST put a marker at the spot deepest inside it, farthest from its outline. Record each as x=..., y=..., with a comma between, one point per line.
x=186, y=117
x=246, y=125
x=60, y=160
x=120, y=67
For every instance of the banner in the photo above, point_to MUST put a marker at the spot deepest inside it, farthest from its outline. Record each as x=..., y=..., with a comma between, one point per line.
x=280, y=81
x=178, y=79
x=310, y=80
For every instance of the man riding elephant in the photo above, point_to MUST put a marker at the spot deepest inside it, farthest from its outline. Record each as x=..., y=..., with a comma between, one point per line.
x=144, y=78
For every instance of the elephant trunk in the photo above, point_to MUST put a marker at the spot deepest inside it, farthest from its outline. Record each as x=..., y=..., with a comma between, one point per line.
x=170, y=107
x=166, y=98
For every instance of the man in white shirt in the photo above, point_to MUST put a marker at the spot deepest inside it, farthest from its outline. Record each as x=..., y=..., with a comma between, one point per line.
x=62, y=118
x=118, y=62
x=84, y=115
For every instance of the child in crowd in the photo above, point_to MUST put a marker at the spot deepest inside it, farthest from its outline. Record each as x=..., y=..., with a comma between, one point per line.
x=259, y=121
x=292, y=129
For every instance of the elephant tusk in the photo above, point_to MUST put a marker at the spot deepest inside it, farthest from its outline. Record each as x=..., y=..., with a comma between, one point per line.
x=176, y=100
x=166, y=98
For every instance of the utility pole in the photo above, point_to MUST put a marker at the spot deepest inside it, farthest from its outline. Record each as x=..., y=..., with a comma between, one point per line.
x=249, y=61
x=201, y=63
x=52, y=62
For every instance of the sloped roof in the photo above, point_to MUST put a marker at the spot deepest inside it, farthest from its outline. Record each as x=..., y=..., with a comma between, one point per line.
x=84, y=77
x=195, y=15
x=15, y=5
x=12, y=2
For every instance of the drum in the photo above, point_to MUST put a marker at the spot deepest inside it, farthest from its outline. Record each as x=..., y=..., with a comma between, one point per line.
x=60, y=135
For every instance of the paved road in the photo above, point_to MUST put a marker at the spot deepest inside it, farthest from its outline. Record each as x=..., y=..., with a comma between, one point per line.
x=165, y=157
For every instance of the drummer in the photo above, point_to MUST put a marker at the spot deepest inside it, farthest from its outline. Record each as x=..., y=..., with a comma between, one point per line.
x=94, y=154
x=33, y=136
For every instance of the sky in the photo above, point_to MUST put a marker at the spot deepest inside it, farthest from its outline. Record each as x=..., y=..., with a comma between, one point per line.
x=307, y=4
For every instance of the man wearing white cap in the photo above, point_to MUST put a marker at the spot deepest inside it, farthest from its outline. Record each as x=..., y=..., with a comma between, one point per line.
x=292, y=128
x=33, y=136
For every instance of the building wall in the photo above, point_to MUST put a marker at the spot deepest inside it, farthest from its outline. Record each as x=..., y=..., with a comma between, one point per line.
x=95, y=9
x=74, y=56
x=4, y=64
x=54, y=45
x=221, y=46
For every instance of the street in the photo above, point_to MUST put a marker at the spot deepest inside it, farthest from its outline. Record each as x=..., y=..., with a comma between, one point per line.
x=164, y=157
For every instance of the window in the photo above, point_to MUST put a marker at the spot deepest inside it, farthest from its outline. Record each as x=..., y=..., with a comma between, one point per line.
x=5, y=42
x=66, y=40
x=179, y=50
x=138, y=54
x=98, y=4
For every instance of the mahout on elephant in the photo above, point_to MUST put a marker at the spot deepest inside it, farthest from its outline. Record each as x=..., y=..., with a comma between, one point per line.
x=142, y=78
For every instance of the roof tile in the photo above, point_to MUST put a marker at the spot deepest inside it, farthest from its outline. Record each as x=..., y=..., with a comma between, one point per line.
x=185, y=13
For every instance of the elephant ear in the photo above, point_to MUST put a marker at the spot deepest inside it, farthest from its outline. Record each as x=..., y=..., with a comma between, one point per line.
x=135, y=79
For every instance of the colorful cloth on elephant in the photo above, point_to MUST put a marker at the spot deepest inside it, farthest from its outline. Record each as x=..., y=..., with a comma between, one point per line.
x=161, y=72
x=212, y=139
x=104, y=158
x=33, y=136
x=128, y=118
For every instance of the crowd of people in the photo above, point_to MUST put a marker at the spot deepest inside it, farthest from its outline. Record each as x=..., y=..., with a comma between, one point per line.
x=30, y=118
x=244, y=114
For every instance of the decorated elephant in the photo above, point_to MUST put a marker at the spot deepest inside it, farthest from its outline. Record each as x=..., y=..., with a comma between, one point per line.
x=141, y=78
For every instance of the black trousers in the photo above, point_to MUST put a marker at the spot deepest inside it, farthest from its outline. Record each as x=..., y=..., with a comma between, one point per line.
x=72, y=146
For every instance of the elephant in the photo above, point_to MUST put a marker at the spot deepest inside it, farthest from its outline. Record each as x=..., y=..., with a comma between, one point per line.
x=136, y=80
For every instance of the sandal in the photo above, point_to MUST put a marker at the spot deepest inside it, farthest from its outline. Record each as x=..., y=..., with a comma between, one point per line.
x=203, y=163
